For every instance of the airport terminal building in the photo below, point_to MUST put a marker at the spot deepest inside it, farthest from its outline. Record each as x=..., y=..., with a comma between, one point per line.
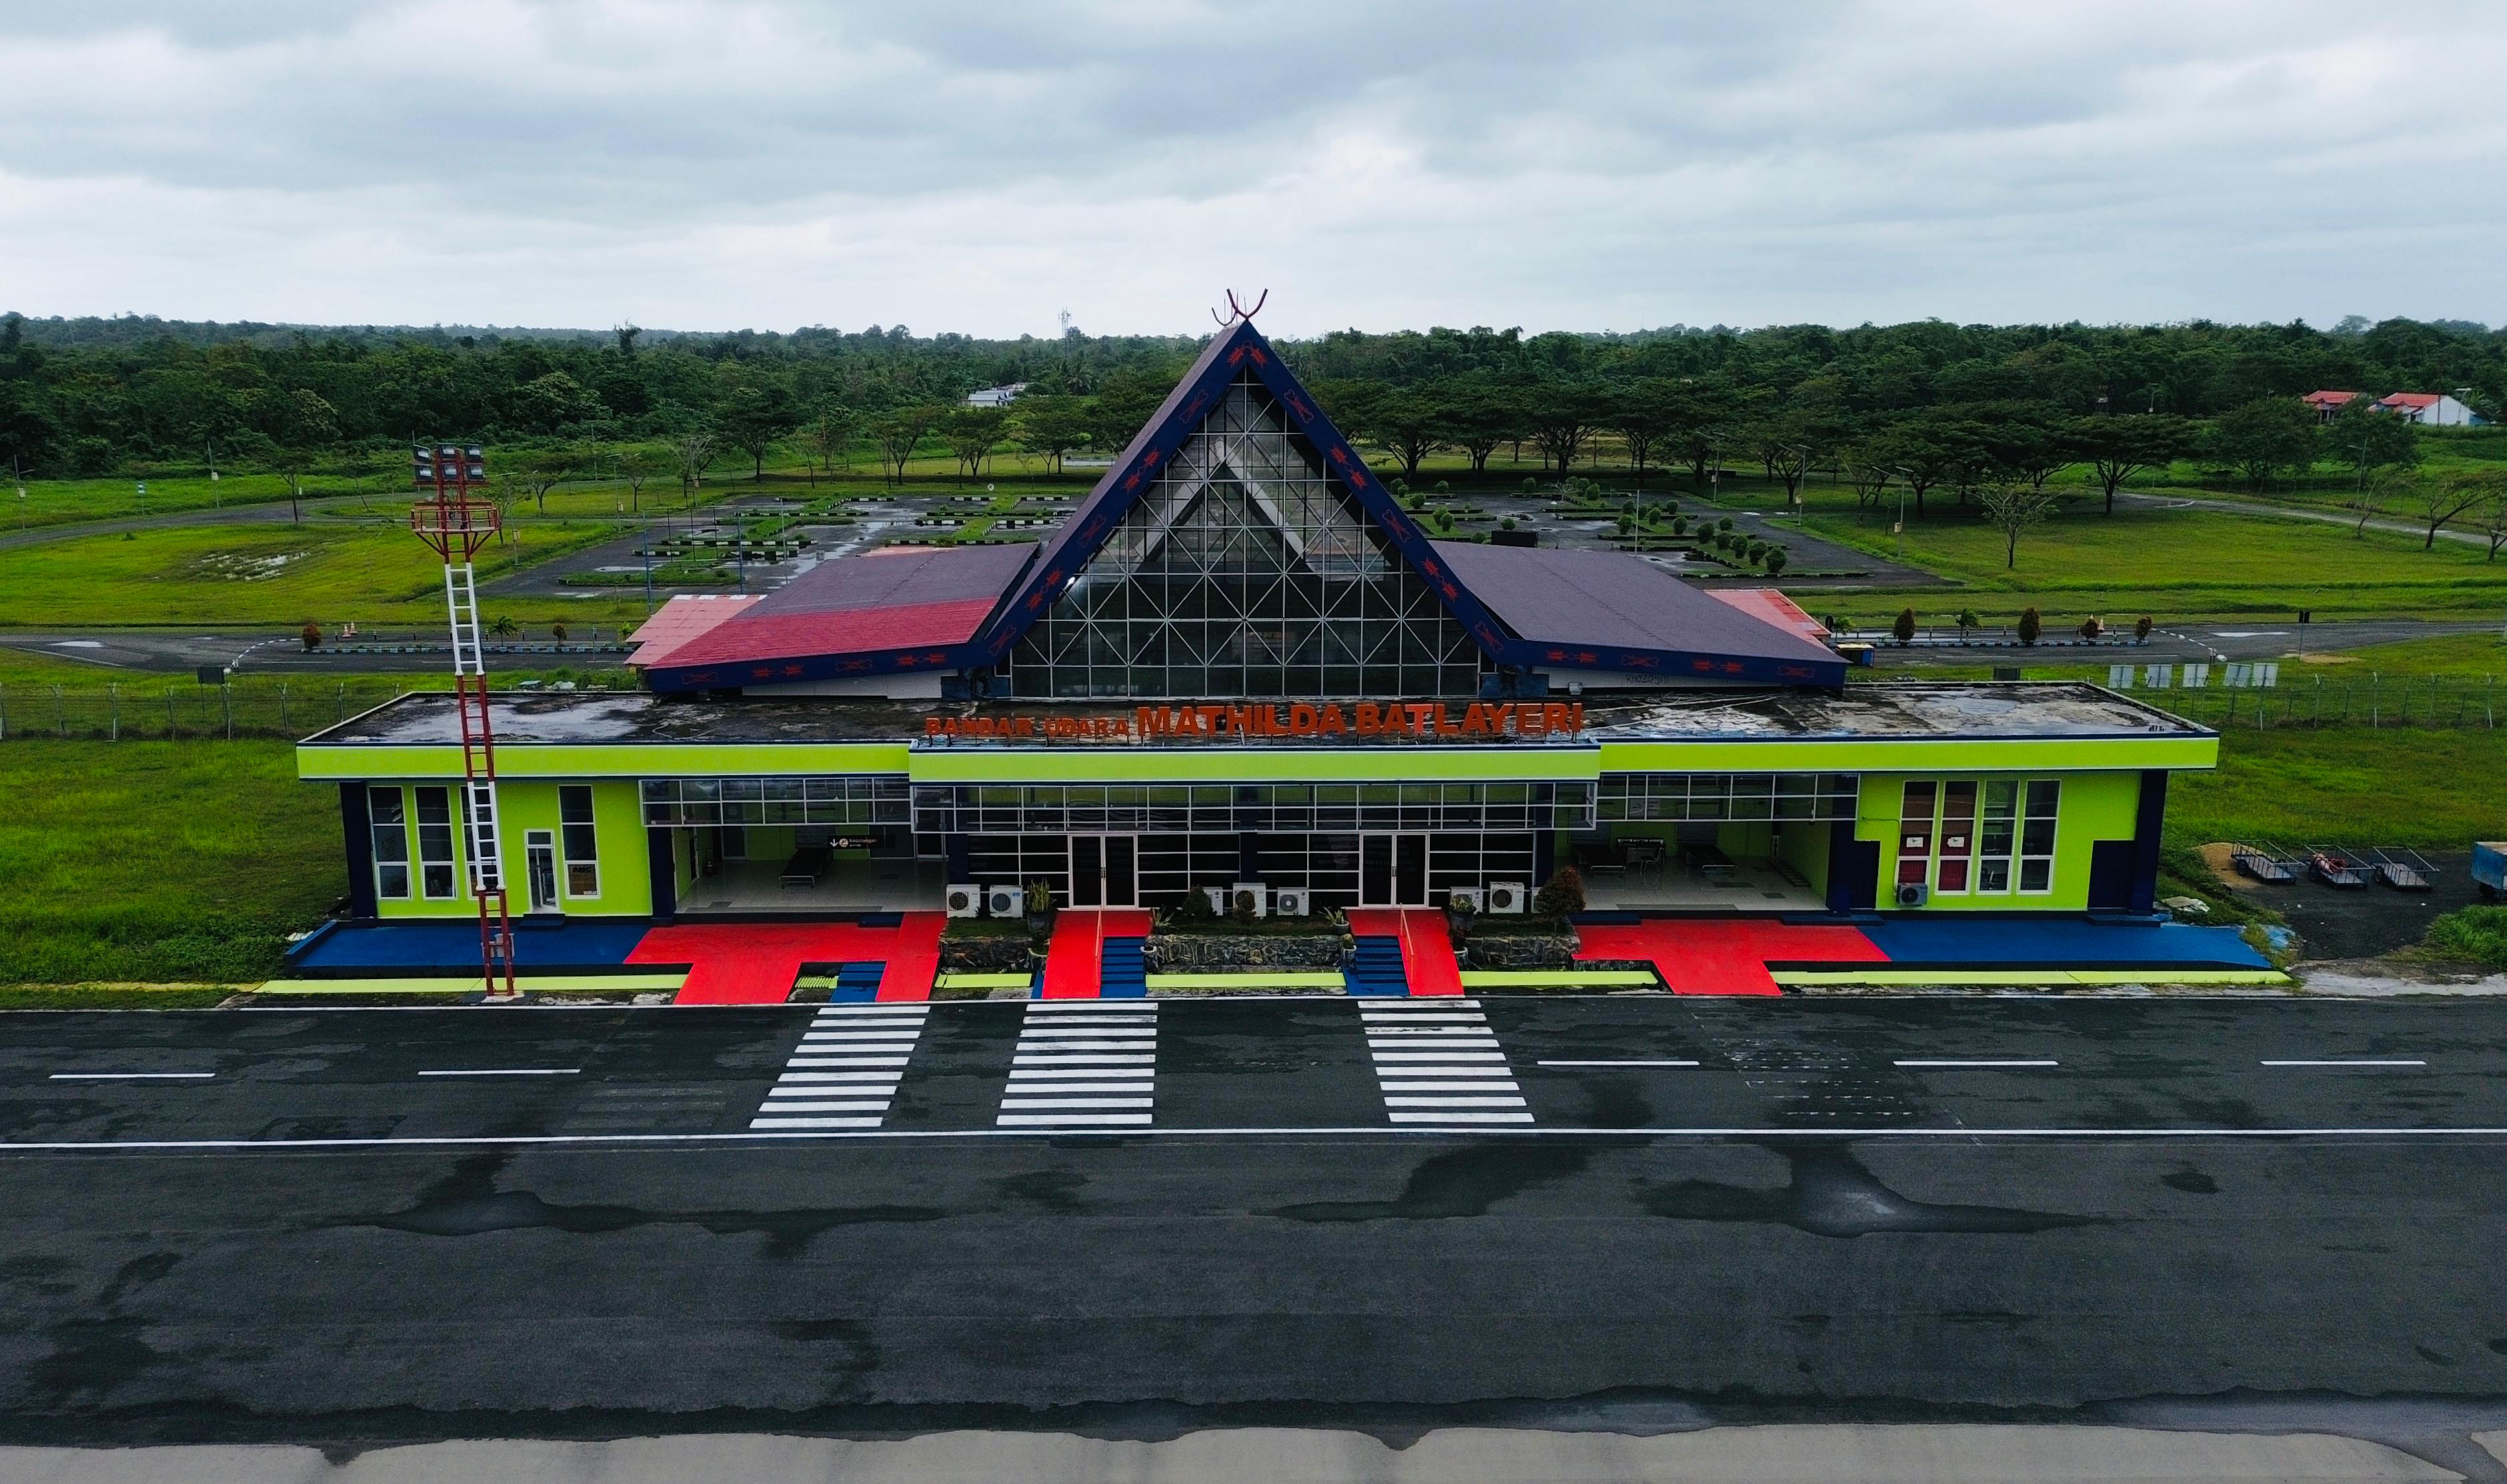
x=1242, y=663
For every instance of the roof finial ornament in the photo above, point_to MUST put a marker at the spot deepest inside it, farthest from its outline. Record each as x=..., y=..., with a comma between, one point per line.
x=1237, y=311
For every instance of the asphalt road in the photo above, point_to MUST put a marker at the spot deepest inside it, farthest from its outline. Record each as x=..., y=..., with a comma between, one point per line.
x=371, y=1225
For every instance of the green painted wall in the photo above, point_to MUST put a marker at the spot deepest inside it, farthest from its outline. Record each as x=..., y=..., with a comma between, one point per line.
x=1803, y=845
x=2093, y=807
x=618, y=825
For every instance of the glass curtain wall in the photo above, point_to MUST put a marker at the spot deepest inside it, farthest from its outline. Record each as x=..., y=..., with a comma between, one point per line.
x=1243, y=571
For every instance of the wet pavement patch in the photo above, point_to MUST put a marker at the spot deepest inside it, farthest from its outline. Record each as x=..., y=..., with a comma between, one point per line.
x=467, y=1204
x=1465, y=1182
x=1832, y=1195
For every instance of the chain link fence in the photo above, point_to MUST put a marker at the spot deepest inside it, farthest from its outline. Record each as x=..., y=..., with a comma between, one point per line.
x=2427, y=701
x=158, y=711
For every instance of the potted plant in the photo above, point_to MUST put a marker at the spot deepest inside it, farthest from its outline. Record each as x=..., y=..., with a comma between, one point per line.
x=1459, y=911
x=1040, y=908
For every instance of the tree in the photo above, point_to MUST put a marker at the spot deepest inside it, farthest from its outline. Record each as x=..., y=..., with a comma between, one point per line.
x=897, y=432
x=2011, y=508
x=549, y=404
x=542, y=472
x=2022, y=438
x=1867, y=472
x=1644, y=416
x=1476, y=414
x=2493, y=513
x=1052, y=424
x=972, y=433
x=2444, y=500
x=1560, y=416
x=303, y=427
x=2371, y=440
x=637, y=464
x=752, y=419
x=2264, y=436
x=1918, y=452
x=1903, y=628
x=2121, y=447
x=1404, y=426
x=2031, y=624
x=828, y=433
x=695, y=452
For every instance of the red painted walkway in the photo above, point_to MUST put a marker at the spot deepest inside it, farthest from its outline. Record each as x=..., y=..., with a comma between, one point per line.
x=754, y=963
x=1722, y=955
x=1075, y=961
x=1427, y=945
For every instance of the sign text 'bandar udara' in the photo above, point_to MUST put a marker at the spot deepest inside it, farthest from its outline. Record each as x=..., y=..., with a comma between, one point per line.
x=1478, y=719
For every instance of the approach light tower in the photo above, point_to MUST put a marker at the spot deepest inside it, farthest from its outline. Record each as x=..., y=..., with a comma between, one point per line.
x=457, y=524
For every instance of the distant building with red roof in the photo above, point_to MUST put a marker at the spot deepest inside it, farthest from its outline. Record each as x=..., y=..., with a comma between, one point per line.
x=2430, y=408
x=2328, y=405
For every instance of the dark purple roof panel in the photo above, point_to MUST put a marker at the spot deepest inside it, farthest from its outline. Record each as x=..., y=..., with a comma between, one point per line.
x=1600, y=610
x=898, y=578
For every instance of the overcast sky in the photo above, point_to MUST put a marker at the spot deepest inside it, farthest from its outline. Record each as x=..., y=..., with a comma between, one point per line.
x=980, y=168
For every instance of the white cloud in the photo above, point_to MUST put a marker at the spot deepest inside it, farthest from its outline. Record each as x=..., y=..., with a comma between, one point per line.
x=1611, y=165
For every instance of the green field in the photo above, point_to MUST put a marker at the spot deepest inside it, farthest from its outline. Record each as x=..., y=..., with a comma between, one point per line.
x=155, y=862
x=283, y=575
x=2427, y=789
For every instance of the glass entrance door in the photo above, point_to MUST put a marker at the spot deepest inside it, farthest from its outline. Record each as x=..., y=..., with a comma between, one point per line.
x=1393, y=870
x=1103, y=870
x=539, y=860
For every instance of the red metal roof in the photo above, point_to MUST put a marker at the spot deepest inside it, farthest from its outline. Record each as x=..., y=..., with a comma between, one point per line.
x=682, y=618
x=2331, y=398
x=887, y=600
x=2412, y=399
x=1769, y=606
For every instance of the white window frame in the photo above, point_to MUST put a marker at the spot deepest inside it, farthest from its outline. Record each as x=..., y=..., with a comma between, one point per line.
x=381, y=835
x=567, y=861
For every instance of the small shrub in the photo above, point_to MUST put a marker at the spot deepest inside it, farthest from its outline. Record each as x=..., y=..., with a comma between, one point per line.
x=557, y=632
x=2141, y=628
x=1531, y=485
x=1775, y=560
x=2031, y=625
x=2092, y=628
x=1508, y=524
x=1561, y=896
x=312, y=634
x=1904, y=629
x=1968, y=618
x=2477, y=933
x=1725, y=524
x=1445, y=486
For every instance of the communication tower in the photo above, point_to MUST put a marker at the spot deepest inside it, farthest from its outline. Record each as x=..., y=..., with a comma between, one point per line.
x=457, y=523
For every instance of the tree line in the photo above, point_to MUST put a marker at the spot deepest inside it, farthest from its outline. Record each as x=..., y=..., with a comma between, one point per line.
x=1921, y=409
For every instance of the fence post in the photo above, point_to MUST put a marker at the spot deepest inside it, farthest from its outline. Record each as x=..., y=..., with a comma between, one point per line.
x=60, y=712
x=173, y=728
x=4, y=713
x=2375, y=700
x=113, y=709
x=342, y=714
x=225, y=704
x=283, y=724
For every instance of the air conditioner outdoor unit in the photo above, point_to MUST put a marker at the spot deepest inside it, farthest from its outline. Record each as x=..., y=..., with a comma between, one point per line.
x=1005, y=902
x=1470, y=894
x=1292, y=902
x=1250, y=896
x=1912, y=894
x=1216, y=897
x=1507, y=897
x=966, y=901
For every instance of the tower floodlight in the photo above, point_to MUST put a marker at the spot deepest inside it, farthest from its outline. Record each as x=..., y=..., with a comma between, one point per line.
x=457, y=523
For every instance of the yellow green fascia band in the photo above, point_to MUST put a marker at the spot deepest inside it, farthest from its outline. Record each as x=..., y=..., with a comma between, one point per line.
x=959, y=981
x=1812, y=979
x=1582, y=979
x=546, y=984
x=1285, y=980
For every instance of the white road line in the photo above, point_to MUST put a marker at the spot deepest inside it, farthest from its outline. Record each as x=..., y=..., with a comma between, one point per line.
x=1082, y=1064
x=1326, y=1131
x=1670, y=1062
x=505, y=1071
x=1459, y=1117
x=1499, y=1085
x=2355, y=1062
x=871, y=1044
x=1383, y=1057
x=2016, y=1061
x=133, y=1076
x=1454, y=1103
x=1441, y=1063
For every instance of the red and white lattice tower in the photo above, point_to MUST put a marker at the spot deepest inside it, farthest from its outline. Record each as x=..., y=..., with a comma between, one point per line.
x=457, y=524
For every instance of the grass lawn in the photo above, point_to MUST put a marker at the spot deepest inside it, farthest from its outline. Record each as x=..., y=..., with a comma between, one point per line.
x=2427, y=789
x=256, y=574
x=2169, y=563
x=157, y=862
x=62, y=501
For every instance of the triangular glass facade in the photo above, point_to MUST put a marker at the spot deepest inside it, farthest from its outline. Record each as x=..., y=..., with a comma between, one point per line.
x=1242, y=572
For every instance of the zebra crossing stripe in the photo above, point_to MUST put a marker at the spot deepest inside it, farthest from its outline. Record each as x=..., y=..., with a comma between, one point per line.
x=1440, y=1064
x=1082, y=1065
x=845, y=1071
